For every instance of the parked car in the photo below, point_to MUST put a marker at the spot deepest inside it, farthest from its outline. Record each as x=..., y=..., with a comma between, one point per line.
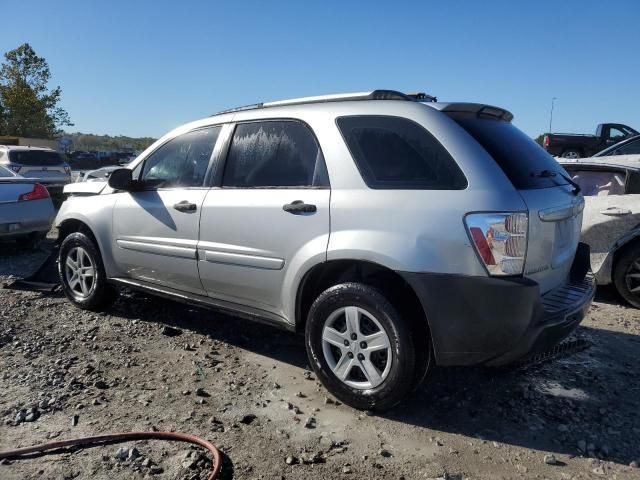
x=611, y=226
x=572, y=145
x=26, y=210
x=630, y=146
x=46, y=166
x=392, y=232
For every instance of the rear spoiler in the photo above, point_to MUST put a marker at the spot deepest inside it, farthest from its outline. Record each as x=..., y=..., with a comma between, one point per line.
x=477, y=109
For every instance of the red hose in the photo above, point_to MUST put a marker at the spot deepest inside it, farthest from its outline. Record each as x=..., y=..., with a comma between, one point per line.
x=123, y=437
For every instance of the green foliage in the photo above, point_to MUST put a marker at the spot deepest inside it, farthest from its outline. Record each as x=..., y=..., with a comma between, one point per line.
x=539, y=139
x=27, y=107
x=88, y=141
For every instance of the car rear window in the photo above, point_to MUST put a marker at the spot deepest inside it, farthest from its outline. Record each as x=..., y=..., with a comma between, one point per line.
x=521, y=159
x=397, y=153
x=4, y=173
x=39, y=158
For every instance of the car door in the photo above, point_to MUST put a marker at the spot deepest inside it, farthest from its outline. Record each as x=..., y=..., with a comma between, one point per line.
x=611, y=210
x=267, y=216
x=155, y=229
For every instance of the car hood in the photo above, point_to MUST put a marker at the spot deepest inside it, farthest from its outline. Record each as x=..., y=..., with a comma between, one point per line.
x=85, y=188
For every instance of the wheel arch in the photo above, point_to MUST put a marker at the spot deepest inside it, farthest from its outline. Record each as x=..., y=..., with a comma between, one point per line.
x=391, y=284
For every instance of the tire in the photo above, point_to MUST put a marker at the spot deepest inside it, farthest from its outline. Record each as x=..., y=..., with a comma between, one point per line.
x=626, y=274
x=377, y=321
x=89, y=293
x=571, y=153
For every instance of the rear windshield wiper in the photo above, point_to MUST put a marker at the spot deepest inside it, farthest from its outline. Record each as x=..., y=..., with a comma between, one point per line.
x=551, y=173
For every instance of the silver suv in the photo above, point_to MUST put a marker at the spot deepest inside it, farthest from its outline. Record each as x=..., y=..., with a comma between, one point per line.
x=395, y=233
x=47, y=166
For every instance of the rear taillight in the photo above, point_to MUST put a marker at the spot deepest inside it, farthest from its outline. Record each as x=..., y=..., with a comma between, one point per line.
x=38, y=193
x=500, y=240
x=546, y=141
x=15, y=168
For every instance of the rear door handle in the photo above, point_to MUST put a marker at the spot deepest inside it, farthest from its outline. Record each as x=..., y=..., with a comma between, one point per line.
x=615, y=211
x=185, y=206
x=298, y=207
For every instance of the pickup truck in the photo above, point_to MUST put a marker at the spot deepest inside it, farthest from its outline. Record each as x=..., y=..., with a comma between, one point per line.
x=573, y=145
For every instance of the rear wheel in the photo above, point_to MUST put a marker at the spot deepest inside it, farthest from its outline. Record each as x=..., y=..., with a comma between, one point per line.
x=571, y=154
x=82, y=274
x=360, y=347
x=626, y=274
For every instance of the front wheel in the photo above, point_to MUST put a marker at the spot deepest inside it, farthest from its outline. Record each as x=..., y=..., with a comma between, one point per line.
x=82, y=274
x=626, y=275
x=360, y=347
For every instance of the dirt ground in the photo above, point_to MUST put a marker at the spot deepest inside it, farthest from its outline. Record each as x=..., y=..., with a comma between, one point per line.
x=65, y=373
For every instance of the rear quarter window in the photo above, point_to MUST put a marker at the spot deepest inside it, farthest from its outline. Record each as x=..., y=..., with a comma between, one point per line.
x=519, y=157
x=397, y=153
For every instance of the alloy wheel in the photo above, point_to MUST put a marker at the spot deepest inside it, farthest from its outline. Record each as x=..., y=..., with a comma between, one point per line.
x=80, y=272
x=632, y=277
x=356, y=347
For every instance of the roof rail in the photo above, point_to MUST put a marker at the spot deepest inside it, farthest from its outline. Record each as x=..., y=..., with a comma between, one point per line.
x=340, y=97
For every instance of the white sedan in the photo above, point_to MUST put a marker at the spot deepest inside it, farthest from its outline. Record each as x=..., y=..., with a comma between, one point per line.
x=611, y=222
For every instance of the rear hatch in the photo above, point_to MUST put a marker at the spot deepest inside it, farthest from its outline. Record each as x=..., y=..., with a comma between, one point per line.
x=42, y=164
x=555, y=208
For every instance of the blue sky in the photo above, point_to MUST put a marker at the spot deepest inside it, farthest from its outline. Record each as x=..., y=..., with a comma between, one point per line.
x=143, y=67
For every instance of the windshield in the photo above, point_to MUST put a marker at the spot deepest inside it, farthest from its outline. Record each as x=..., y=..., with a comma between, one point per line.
x=521, y=159
x=5, y=173
x=35, y=158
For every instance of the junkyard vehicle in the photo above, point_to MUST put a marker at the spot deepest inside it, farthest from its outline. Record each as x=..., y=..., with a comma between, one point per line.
x=611, y=226
x=46, y=166
x=395, y=233
x=572, y=145
x=630, y=146
x=26, y=211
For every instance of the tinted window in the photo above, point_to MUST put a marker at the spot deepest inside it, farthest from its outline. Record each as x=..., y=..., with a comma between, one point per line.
x=633, y=182
x=181, y=162
x=40, y=158
x=274, y=154
x=396, y=153
x=520, y=158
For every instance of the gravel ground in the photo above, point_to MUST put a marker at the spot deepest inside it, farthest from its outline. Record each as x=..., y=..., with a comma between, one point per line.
x=148, y=364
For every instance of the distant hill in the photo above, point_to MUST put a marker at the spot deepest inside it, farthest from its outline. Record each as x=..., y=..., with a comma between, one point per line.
x=89, y=141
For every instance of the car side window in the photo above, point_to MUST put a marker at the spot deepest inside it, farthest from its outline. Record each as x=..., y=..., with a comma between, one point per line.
x=274, y=154
x=397, y=153
x=182, y=161
x=616, y=133
x=599, y=182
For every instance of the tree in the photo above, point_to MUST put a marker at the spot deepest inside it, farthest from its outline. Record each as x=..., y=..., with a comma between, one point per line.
x=27, y=107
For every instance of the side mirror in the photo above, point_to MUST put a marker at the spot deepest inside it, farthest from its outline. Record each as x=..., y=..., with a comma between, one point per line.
x=121, y=179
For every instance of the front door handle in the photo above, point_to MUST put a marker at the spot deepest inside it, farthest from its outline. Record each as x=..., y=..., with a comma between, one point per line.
x=615, y=211
x=298, y=207
x=185, y=206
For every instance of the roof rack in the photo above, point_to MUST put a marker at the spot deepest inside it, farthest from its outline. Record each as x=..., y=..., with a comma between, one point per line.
x=340, y=97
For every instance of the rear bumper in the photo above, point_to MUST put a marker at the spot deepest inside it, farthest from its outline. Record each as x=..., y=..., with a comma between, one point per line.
x=496, y=321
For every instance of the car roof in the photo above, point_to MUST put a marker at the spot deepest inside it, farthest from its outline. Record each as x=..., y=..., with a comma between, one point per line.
x=620, y=161
x=25, y=147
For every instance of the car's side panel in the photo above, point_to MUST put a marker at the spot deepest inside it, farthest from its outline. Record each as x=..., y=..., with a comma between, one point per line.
x=251, y=250
x=155, y=242
x=606, y=221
